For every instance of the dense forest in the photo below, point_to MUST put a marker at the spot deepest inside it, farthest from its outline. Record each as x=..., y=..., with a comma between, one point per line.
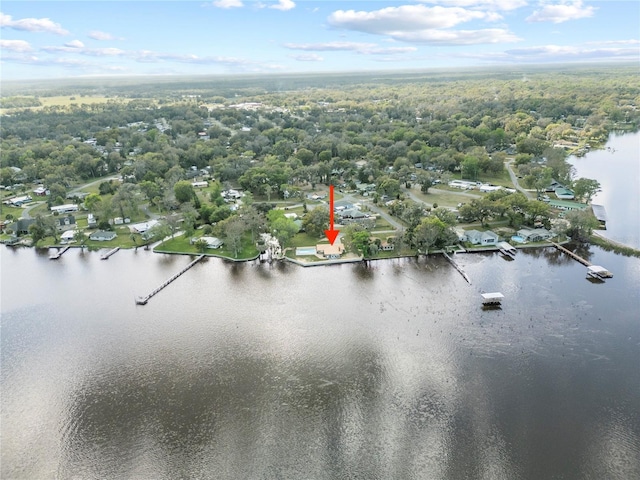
x=273, y=136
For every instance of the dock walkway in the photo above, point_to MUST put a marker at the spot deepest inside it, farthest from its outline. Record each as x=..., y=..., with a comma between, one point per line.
x=145, y=299
x=457, y=267
x=571, y=254
x=109, y=253
x=59, y=253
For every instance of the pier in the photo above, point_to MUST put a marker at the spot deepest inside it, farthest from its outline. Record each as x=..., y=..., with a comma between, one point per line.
x=109, y=253
x=145, y=299
x=594, y=271
x=457, y=267
x=59, y=253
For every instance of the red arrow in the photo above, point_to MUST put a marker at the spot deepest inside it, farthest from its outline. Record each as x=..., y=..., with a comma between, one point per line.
x=331, y=233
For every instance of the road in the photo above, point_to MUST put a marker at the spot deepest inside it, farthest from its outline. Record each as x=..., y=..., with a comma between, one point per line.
x=514, y=179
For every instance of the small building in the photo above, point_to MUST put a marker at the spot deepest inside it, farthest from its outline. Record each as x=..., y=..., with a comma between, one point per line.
x=67, y=208
x=482, y=238
x=330, y=252
x=41, y=192
x=202, y=184
x=386, y=246
x=103, y=236
x=91, y=220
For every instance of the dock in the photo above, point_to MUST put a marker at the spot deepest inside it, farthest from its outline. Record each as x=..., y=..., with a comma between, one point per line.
x=507, y=250
x=109, y=253
x=601, y=214
x=593, y=271
x=145, y=299
x=492, y=299
x=457, y=267
x=59, y=253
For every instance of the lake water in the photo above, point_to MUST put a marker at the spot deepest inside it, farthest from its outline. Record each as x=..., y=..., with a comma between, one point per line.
x=617, y=168
x=390, y=370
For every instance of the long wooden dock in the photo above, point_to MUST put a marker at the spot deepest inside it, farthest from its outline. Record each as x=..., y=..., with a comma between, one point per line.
x=59, y=253
x=457, y=267
x=109, y=253
x=571, y=254
x=145, y=299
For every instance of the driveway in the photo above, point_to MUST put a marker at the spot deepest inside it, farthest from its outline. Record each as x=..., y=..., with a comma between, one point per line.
x=514, y=179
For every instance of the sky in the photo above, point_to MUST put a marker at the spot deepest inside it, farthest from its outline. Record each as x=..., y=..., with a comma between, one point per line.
x=51, y=39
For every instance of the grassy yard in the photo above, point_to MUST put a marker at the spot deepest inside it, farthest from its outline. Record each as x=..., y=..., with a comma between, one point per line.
x=304, y=240
x=182, y=244
x=7, y=210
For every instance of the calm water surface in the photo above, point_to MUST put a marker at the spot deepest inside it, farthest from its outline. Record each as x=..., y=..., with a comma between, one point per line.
x=617, y=168
x=391, y=370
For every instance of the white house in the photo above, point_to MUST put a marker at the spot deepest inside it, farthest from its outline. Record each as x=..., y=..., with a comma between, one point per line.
x=143, y=227
x=69, y=207
x=102, y=236
x=482, y=238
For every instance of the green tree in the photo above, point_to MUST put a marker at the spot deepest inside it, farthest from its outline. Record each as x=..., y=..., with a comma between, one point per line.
x=581, y=224
x=316, y=221
x=183, y=190
x=585, y=188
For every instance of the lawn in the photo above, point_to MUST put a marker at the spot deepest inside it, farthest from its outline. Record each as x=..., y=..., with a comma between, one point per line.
x=7, y=210
x=303, y=239
x=182, y=244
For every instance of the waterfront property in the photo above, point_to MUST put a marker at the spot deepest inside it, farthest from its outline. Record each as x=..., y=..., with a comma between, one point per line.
x=566, y=205
x=534, y=235
x=481, y=238
x=330, y=252
x=102, y=236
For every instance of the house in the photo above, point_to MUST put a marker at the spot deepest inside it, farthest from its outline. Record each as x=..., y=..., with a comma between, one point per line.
x=535, y=235
x=19, y=201
x=67, y=208
x=489, y=188
x=65, y=223
x=21, y=227
x=199, y=184
x=41, y=192
x=482, y=238
x=102, y=236
x=68, y=236
x=212, y=242
x=564, y=193
x=143, y=227
x=330, y=252
x=91, y=220
x=565, y=205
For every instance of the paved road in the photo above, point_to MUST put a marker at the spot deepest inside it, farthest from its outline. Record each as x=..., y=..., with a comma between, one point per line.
x=514, y=179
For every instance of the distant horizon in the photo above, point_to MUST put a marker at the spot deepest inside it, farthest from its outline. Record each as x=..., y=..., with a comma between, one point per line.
x=72, y=39
x=416, y=71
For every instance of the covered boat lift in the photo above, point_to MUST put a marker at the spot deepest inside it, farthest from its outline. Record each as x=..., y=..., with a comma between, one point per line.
x=507, y=249
x=492, y=299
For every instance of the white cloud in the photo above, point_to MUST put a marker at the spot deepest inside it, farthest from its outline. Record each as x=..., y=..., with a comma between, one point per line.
x=403, y=18
x=283, y=5
x=504, y=5
x=555, y=54
x=228, y=3
x=358, y=47
x=32, y=25
x=92, y=52
x=307, y=57
x=458, y=37
x=102, y=36
x=74, y=44
x=562, y=12
x=20, y=46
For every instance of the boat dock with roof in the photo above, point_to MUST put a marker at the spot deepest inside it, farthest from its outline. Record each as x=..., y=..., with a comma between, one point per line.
x=493, y=299
x=601, y=214
x=507, y=249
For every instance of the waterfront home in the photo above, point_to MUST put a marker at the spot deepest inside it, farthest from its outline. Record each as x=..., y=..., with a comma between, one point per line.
x=566, y=205
x=66, y=223
x=481, y=238
x=143, y=227
x=330, y=252
x=68, y=236
x=564, y=193
x=534, y=235
x=21, y=227
x=212, y=242
x=102, y=236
